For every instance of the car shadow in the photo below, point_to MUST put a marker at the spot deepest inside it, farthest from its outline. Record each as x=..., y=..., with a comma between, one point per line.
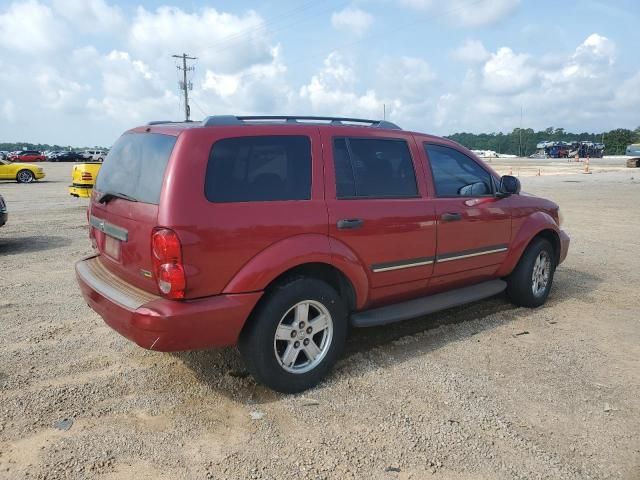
x=17, y=245
x=223, y=370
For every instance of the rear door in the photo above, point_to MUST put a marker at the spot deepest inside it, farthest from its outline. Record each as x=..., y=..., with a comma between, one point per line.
x=474, y=226
x=122, y=227
x=378, y=207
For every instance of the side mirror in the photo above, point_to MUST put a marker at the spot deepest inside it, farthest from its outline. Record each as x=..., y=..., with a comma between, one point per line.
x=509, y=185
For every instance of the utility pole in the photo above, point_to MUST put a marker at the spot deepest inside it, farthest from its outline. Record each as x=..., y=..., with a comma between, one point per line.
x=520, y=141
x=184, y=85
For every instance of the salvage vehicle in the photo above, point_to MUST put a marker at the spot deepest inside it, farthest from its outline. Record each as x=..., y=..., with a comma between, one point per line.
x=4, y=215
x=21, y=172
x=278, y=234
x=633, y=152
x=67, y=157
x=83, y=178
x=27, y=156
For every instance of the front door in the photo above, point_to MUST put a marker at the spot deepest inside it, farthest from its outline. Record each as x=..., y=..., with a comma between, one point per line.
x=474, y=226
x=378, y=207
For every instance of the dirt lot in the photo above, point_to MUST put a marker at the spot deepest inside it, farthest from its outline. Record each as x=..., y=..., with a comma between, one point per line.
x=485, y=391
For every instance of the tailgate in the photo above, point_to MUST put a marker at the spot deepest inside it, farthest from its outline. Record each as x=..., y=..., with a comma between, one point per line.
x=124, y=205
x=123, y=236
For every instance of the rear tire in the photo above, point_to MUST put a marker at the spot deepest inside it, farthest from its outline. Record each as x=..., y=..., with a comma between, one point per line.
x=530, y=283
x=25, y=176
x=295, y=336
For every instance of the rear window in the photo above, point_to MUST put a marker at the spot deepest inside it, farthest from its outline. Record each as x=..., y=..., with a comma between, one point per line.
x=135, y=166
x=254, y=169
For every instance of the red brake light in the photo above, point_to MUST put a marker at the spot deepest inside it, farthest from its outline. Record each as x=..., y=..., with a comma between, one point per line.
x=167, y=263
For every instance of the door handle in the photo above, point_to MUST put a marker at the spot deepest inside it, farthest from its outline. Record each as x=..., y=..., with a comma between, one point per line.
x=451, y=217
x=349, y=223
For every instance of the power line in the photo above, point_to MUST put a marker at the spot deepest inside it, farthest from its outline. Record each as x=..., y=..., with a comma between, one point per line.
x=185, y=86
x=264, y=24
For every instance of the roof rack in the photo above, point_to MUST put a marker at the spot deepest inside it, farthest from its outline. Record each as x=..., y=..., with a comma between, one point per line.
x=220, y=120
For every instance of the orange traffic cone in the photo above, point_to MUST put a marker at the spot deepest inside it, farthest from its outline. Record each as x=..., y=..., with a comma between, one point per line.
x=539, y=172
x=586, y=166
x=510, y=170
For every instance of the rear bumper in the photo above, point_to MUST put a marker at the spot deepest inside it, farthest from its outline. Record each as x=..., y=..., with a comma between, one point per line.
x=564, y=245
x=3, y=218
x=156, y=323
x=82, y=192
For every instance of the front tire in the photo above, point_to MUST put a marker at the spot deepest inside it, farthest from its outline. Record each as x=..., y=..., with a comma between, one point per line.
x=25, y=176
x=530, y=283
x=295, y=336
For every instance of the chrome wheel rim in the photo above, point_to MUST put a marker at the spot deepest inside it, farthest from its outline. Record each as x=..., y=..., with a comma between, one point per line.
x=303, y=336
x=541, y=274
x=25, y=177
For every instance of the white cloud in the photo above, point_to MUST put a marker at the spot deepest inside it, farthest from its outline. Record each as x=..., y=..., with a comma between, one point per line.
x=352, y=20
x=408, y=78
x=507, y=72
x=59, y=93
x=260, y=88
x=30, y=27
x=90, y=15
x=225, y=42
x=332, y=91
x=472, y=51
x=8, y=110
x=464, y=13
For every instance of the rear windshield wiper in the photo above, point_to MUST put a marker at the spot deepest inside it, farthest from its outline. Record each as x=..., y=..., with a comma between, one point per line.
x=105, y=197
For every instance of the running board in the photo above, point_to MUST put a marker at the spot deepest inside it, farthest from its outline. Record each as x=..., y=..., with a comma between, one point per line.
x=425, y=305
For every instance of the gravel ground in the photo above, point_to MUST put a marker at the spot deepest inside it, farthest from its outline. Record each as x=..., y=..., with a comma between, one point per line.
x=483, y=391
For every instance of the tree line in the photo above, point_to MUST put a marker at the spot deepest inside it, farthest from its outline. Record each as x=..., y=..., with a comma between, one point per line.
x=41, y=147
x=523, y=142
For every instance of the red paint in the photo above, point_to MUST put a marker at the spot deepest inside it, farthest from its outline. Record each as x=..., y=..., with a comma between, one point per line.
x=27, y=157
x=231, y=252
x=169, y=325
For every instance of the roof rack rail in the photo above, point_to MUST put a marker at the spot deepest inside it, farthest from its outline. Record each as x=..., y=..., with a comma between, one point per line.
x=220, y=120
x=161, y=122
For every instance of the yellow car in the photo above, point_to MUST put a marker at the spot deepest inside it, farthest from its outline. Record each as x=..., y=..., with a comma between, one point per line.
x=21, y=172
x=83, y=178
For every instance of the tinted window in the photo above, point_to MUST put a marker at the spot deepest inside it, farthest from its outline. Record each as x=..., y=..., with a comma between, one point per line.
x=373, y=168
x=267, y=168
x=135, y=166
x=455, y=174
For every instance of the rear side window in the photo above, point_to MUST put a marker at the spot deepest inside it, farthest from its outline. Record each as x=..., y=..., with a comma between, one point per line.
x=455, y=174
x=259, y=169
x=135, y=166
x=373, y=168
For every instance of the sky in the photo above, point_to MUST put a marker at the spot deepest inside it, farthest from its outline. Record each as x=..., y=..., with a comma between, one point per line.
x=80, y=72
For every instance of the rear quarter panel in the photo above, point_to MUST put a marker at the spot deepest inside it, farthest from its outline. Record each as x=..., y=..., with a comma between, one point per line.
x=221, y=239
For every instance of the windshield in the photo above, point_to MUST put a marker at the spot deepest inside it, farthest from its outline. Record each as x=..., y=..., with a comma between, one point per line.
x=135, y=166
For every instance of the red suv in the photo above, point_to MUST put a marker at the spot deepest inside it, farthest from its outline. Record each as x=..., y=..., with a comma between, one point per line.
x=27, y=156
x=279, y=233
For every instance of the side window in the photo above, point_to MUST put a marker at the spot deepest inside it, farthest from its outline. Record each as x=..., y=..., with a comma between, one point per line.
x=455, y=174
x=266, y=168
x=373, y=168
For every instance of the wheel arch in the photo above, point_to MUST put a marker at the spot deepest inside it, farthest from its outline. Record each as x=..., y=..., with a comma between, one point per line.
x=311, y=255
x=538, y=225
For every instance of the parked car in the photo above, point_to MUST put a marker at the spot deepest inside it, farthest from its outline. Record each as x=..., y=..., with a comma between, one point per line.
x=67, y=157
x=279, y=233
x=83, y=178
x=27, y=156
x=21, y=172
x=94, y=155
x=4, y=215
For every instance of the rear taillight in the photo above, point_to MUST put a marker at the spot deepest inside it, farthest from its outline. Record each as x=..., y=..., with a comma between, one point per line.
x=87, y=176
x=168, y=270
